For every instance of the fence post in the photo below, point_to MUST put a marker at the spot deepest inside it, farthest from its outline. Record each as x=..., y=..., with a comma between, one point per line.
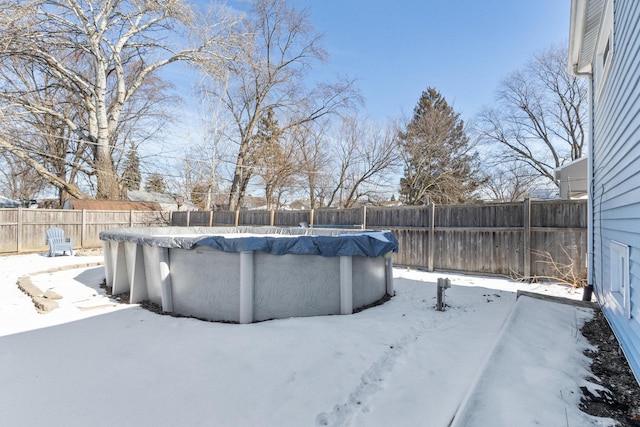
x=19, y=232
x=364, y=217
x=526, y=240
x=83, y=228
x=272, y=219
x=210, y=218
x=237, y=217
x=431, y=236
x=131, y=218
x=311, y=218
x=188, y=218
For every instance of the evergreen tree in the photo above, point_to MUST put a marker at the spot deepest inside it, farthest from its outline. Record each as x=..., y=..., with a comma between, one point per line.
x=271, y=158
x=131, y=174
x=199, y=193
x=155, y=183
x=266, y=147
x=439, y=163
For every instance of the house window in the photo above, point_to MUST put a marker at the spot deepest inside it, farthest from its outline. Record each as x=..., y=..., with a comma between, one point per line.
x=604, y=48
x=619, y=280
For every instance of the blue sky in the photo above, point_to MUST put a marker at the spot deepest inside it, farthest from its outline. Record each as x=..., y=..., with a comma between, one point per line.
x=463, y=48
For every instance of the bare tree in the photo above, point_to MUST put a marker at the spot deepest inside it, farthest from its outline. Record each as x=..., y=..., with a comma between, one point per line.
x=366, y=156
x=540, y=115
x=508, y=182
x=205, y=153
x=19, y=181
x=268, y=74
x=31, y=104
x=312, y=148
x=100, y=54
x=273, y=157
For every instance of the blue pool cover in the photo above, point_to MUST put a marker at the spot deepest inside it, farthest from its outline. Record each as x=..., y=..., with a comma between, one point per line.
x=328, y=243
x=370, y=244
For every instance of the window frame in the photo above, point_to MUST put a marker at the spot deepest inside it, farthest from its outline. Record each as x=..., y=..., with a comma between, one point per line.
x=619, y=288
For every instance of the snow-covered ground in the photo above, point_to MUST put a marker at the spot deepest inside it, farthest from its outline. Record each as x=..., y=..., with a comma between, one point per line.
x=94, y=363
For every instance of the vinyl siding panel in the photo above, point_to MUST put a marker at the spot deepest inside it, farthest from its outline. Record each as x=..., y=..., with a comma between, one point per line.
x=616, y=174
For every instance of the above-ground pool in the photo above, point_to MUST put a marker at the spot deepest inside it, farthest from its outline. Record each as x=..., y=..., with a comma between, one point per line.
x=250, y=274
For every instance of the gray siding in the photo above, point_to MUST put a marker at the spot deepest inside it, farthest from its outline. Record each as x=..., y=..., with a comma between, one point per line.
x=616, y=173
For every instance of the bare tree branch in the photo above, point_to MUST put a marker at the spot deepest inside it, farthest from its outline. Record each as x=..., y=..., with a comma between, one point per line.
x=268, y=74
x=102, y=54
x=539, y=116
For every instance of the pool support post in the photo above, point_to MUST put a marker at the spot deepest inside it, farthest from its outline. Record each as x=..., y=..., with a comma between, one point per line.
x=246, y=287
x=389, y=274
x=346, y=285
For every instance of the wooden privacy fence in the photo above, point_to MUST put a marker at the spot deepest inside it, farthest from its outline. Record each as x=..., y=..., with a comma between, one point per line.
x=500, y=238
x=23, y=230
x=315, y=217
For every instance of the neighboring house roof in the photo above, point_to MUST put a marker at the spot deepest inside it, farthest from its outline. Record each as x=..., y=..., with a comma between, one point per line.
x=110, y=205
x=573, y=179
x=250, y=202
x=5, y=202
x=586, y=18
x=166, y=201
x=300, y=205
x=544, y=193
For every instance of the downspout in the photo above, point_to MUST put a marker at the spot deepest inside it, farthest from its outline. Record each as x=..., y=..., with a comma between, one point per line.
x=579, y=9
x=591, y=194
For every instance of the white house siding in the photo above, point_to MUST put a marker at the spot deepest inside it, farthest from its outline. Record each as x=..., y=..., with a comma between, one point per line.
x=616, y=176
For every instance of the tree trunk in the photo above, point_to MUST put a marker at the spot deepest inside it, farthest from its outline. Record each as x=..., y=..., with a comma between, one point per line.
x=241, y=177
x=268, y=193
x=312, y=194
x=234, y=193
x=108, y=188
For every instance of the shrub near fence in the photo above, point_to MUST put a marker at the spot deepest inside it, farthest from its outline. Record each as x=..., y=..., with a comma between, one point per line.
x=23, y=230
x=493, y=238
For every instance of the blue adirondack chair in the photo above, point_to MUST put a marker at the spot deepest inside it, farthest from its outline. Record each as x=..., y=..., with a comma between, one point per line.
x=57, y=242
